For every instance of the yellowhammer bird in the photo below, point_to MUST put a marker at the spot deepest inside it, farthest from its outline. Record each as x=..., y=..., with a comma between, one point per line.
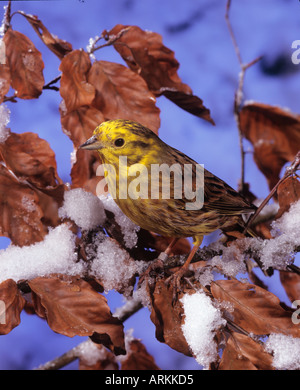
x=133, y=156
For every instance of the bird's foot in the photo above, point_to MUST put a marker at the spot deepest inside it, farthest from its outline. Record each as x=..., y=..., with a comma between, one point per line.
x=155, y=268
x=174, y=281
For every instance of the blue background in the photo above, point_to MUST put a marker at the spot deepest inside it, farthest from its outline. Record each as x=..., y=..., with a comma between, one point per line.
x=196, y=30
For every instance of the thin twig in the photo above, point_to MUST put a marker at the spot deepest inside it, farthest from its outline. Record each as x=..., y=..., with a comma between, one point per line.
x=291, y=170
x=241, y=330
x=10, y=98
x=235, y=45
x=50, y=84
x=110, y=39
x=62, y=360
x=128, y=309
x=46, y=86
x=238, y=98
x=238, y=95
x=293, y=268
x=236, y=328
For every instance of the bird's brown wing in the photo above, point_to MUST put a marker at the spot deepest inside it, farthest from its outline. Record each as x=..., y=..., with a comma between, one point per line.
x=218, y=195
x=221, y=197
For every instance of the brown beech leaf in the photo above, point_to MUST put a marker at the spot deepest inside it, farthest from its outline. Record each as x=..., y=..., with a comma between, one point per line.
x=25, y=64
x=255, y=309
x=5, y=80
x=167, y=318
x=84, y=171
x=11, y=305
x=138, y=358
x=121, y=93
x=58, y=46
x=146, y=55
x=79, y=126
x=74, y=88
x=37, y=307
x=243, y=353
x=31, y=159
x=189, y=102
x=274, y=134
x=288, y=192
x=232, y=359
x=20, y=213
x=291, y=284
x=50, y=200
x=73, y=307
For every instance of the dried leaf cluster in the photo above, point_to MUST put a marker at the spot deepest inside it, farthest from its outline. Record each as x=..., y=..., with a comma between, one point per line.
x=31, y=193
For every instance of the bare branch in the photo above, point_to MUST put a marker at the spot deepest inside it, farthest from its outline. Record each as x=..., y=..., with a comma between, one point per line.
x=10, y=98
x=238, y=98
x=291, y=170
x=62, y=360
x=235, y=45
x=294, y=268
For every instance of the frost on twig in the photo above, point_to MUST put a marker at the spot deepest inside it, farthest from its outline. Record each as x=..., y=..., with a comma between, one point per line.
x=92, y=45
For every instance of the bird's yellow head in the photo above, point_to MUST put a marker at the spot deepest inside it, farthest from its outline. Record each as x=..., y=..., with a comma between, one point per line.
x=119, y=137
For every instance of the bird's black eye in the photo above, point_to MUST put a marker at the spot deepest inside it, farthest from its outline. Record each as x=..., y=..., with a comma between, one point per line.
x=119, y=142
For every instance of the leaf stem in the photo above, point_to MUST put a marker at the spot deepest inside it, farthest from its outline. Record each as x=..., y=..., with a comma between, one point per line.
x=50, y=84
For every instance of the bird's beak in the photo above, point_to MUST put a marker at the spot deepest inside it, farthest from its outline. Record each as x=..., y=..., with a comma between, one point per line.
x=91, y=144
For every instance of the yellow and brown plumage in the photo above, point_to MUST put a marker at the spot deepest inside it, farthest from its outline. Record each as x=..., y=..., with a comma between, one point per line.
x=222, y=207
